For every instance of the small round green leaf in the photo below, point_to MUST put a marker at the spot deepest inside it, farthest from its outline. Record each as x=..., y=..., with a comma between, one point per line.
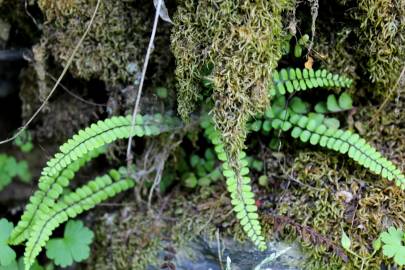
x=345, y=101
x=332, y=104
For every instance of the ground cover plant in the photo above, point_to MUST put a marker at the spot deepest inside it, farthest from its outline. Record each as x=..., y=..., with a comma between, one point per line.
x=298, y=135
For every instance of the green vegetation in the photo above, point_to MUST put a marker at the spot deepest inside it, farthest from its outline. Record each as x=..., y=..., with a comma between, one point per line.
x=73, y=247
x=314, y=128
x=113, y=52
x=24, y=142
x=7, y=255
x=45, y=213
x=71, y=205
x=392, y=242
x=238, y=185
x=10, y=168
x=296, y=163
x=317, y=129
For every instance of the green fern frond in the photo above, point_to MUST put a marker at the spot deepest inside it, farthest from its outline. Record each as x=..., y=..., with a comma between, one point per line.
x=102, y=133
x=295, y=79
x=71, y=205
x=52, y=181
x=238, y=185
x=315, y=131
x=50, y=188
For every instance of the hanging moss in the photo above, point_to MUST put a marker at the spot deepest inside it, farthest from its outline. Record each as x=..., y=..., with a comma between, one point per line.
x=242, y=41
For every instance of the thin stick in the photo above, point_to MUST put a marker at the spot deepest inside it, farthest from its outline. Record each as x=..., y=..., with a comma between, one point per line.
x=219, y=249
x=144, y=68
x=59, y=79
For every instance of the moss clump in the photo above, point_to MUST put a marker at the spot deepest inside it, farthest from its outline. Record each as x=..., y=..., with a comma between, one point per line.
x=241, y=41
x=364, y=39
x=125, y=240
x=115, y=47
x=54, y=9
x=382, y=38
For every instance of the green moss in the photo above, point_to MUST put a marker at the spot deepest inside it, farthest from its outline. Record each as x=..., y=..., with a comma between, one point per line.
x=242, y=40
x=54, y=9
x=382, y=38
x=367, y=43
x=125, y=240
x=114, y=48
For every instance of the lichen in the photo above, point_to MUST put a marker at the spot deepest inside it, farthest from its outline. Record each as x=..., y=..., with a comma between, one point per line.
x=242, y=42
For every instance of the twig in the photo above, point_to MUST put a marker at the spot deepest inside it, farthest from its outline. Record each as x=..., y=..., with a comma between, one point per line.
x=144, y=68
x=21, y=129
x=219, y=249
x=30, y=15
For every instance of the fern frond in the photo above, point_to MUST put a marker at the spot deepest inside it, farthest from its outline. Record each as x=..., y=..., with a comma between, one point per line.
x=102, y=133
x=238, y=185
x=52, y=182
x=71, y=205
x=295, y=79
x=49, y=189
x=314, y=131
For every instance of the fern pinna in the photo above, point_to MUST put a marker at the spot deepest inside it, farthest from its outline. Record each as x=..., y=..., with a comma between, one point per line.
x=294, y=79
x=45, y=212
x=313, y=127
